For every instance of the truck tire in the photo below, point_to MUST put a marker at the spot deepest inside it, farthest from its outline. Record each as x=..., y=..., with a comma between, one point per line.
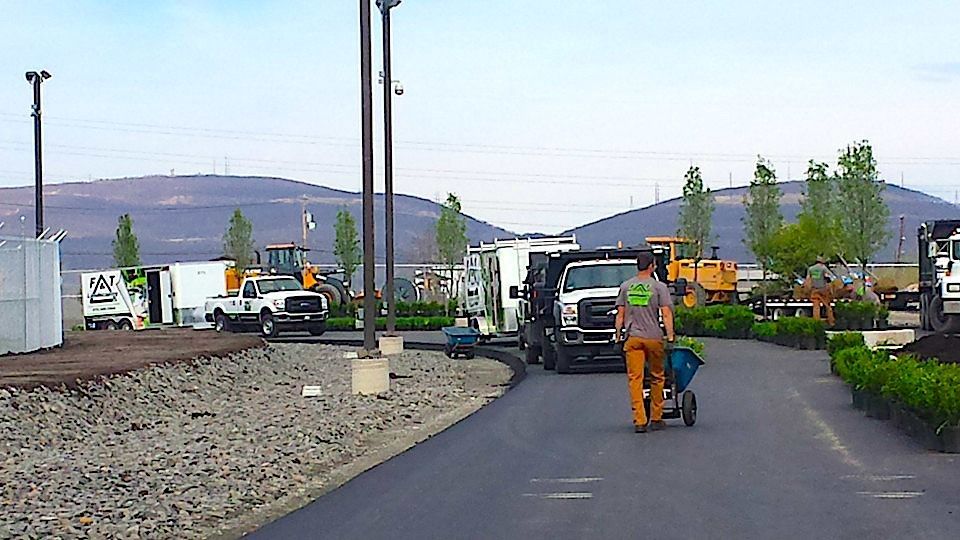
x=220, y=322
x=532, y=355
x=125, y=325
x=549, y=357
x=924, y=306
x=564, y=359
x=940, y=322
x=268, y=326
x=318, y=329
x=332, y=293
x=110, y=325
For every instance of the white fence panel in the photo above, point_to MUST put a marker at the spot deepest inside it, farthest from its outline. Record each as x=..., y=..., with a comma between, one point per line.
x=31, y=316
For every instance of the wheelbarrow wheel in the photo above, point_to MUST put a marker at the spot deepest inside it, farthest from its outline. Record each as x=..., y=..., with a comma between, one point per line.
x=469, y=355
x=689, y=408
x=448, y=350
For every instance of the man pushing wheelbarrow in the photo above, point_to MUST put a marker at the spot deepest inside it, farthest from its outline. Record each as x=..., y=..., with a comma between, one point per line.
x=642, y=302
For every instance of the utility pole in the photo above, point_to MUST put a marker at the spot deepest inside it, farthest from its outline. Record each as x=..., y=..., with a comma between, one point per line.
x=36, y=79
x=303, y=221
x=390, y=293
x=900, y=242
x=366, y=129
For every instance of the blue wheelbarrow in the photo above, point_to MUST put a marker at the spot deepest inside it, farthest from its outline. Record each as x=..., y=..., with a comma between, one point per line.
x=678, y=402
x=460, y=341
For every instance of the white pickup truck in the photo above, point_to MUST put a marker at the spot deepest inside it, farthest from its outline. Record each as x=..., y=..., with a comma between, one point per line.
x=269, y=304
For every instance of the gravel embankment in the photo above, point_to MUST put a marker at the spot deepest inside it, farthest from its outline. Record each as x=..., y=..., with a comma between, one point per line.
x=216, y=446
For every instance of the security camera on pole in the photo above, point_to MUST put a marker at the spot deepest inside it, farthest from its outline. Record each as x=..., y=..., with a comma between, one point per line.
x=36, y=79
x=371, y=373
x=390, y=343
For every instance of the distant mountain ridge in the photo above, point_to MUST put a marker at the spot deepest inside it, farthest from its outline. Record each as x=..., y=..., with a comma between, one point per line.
x=183, y=218
x=661, y=219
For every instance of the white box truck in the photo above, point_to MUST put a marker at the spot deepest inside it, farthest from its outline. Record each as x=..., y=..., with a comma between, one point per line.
x=140, y=297
x=491, y=269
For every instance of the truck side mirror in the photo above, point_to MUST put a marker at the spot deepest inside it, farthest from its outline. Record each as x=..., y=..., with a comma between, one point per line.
x=514, y=292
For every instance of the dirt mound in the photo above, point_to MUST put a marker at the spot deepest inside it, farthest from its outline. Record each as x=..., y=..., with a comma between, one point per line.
x=86, y=355
x=946, y=349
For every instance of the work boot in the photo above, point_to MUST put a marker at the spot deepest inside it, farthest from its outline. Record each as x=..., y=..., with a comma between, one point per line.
x=657, y=425
x=639, y=429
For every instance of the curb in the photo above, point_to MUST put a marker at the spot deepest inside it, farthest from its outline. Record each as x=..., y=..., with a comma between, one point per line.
x=512, y=361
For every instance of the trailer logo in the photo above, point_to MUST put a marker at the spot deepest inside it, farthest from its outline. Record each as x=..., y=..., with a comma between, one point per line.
x=102, y=289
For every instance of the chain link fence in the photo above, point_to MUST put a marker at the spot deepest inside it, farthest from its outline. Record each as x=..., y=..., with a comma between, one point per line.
x=30, y=311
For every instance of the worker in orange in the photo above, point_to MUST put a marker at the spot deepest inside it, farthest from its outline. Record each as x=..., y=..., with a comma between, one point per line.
x=818, y=282
x=642, y=301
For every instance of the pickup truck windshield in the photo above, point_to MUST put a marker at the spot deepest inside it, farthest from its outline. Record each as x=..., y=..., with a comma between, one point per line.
x=598, y=276
x=282, y=284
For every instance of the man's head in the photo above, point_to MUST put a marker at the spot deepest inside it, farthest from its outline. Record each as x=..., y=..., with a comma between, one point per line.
x=821, y=259
x=645, y=262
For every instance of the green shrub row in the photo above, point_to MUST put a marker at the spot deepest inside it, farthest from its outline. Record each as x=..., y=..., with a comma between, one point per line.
x=403, y=323
x=734, y=322
x=798, y=332
x=404, y=309
x=929, y=388
x=860, y=315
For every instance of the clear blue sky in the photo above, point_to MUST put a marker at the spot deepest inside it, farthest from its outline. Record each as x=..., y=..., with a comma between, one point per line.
x=583, y=105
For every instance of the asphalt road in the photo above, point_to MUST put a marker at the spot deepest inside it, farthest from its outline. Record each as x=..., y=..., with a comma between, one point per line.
x=777, y=452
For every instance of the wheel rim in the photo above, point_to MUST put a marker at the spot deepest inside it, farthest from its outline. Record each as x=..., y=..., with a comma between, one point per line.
x=268, y=326
x=220, y=324
x=690, y=299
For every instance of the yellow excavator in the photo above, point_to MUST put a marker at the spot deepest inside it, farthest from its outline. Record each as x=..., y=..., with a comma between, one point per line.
x=709, y=281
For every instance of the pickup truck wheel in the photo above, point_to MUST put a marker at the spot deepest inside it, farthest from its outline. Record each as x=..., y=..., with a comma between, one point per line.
x=268, y=326
x=563, y=360
x=220, y=322
x=317, y=330
x=549, y=355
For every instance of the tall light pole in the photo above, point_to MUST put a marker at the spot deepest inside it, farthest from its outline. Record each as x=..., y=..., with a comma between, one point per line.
x=36, y=79
x=385, y=7
x=366, y=121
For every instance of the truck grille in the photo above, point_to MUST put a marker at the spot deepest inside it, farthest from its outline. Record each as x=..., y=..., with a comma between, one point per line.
x=303, y=304
x=598, y=313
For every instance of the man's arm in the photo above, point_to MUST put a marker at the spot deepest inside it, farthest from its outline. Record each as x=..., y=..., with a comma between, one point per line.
x=619, y=323
x=667, y=313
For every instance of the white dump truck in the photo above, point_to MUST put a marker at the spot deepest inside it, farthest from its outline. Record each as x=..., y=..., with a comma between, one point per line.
x=491, y=270
x=938, y=244
x=269, y=304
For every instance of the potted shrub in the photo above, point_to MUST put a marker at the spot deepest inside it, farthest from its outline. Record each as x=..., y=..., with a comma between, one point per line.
x=883, y=317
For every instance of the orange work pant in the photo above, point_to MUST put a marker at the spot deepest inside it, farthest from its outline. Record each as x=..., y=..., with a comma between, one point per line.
x=638, y=351
x=822, y=298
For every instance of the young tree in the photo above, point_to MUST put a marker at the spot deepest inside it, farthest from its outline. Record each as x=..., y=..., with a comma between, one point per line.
x=346, y=243
x=451, y=233
x=863, y=222
x=762, y=205
x=238, y=241
x=819, y=211
x=126, y=247
x=696, y=211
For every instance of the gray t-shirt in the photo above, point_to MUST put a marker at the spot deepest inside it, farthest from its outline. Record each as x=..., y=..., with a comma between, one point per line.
x=820, y=276
x=642, y=300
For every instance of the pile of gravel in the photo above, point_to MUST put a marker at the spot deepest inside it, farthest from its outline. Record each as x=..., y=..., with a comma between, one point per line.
x=196, y=449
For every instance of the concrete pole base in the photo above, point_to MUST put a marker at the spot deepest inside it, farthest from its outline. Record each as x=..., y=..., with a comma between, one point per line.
x=390, y=345
x=371, y=376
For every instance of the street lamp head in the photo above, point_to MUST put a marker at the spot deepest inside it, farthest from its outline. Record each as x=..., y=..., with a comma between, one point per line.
x=387, y=4
x=398, y=89
x=45, y=74
x=31, y=75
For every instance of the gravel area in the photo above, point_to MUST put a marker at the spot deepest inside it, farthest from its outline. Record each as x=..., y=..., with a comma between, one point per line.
x=216, y=446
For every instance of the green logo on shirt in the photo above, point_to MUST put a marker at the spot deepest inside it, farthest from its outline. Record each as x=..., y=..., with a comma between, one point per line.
x=639, y=295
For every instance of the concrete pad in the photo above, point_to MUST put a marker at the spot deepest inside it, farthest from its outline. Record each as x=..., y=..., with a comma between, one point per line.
x=885, y=338
x=370, y=376
x=390, y=345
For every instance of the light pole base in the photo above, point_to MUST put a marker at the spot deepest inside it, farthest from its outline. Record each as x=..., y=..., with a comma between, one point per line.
x=390, y=345
x=371, y=376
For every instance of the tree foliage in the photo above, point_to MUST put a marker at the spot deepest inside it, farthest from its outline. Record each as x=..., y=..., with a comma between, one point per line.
x=451, y=232
x=346, y=243
x=793, y=248
x=863, y=222
x=126, y=247
x=238, y=241
x=696, y=211
x=762, y=205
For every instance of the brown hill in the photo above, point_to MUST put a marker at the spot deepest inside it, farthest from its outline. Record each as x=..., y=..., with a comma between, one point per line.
x=182, y=218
